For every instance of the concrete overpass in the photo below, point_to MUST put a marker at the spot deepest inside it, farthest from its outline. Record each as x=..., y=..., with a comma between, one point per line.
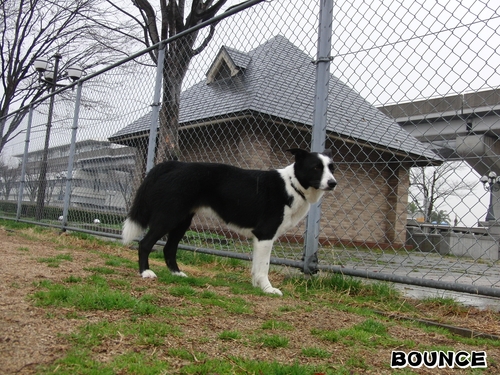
x=458, y=127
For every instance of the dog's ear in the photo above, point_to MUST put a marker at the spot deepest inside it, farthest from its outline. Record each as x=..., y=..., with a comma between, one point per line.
x=298, y=153
x=328, y=152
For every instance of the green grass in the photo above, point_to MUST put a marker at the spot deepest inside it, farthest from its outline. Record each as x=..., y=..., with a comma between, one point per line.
x=57, y=260
x=189, y=257
x=81, y=362
x=73, y=279
x=348, y=289
x=115, y=261
x=219, y=323
x=16, y=225
x=139, y=332
x=344, y=285
x=369, y=333
x=93, y=294
x=444, y=303
x=357, y=361
x=182, y=291
x=200, y=259
x=229, y=335
x=234, y=305
x=315, y=352
x=277, y=325
x=241, y=366
x=101, y=270
x=273, y=341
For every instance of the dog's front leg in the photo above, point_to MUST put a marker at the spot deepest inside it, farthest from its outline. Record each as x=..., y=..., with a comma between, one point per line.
x=260, y=266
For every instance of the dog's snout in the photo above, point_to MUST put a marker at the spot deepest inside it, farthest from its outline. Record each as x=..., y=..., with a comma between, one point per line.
x=332, y=184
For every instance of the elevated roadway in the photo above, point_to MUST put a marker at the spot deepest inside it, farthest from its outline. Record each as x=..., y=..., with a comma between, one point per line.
x=458, y=127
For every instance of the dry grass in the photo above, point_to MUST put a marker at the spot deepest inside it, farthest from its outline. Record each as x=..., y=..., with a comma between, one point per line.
x=189, y=325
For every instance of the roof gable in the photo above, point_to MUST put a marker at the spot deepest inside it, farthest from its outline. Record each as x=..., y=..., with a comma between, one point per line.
x=228, y=63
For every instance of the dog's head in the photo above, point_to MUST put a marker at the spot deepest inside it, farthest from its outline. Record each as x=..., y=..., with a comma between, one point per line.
x=313, y=169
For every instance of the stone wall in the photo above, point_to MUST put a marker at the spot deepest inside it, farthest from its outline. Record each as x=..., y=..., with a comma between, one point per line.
x=481, y=245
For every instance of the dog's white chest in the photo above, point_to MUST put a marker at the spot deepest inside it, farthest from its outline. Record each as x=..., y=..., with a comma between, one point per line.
x=292, y=215
x=299, y=208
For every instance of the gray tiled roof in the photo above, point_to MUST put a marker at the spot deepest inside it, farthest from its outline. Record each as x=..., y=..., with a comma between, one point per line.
x=279, y=80
x=240, y=59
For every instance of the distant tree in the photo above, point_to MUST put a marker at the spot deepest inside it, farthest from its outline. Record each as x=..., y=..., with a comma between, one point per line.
x=31, y=184
x=9, y=177
x=439, y=217
x=413, y=208
x=123, y=184
x=430, y=186
x=40, y=28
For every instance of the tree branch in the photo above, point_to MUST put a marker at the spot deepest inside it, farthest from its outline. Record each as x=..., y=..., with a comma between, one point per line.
x=149, y=16
x=205, y=42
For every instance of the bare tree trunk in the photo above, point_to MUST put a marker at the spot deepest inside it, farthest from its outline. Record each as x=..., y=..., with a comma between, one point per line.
x=177, y=62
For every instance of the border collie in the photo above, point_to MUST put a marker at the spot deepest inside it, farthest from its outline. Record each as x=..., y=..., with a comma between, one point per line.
x=261, y=205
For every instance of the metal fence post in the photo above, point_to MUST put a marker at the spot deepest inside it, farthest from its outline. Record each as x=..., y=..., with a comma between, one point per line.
x=319, y=125
x=155, y=114
x=42, y=180
x=23, y=166
x=71, y=158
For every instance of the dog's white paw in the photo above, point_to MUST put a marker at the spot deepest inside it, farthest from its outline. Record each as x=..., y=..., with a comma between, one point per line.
x=148, y=274
x=180, y=274
x=269, y=289
x=264, y=284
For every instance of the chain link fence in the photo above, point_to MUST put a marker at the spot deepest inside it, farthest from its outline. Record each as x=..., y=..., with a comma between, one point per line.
x=412, y=119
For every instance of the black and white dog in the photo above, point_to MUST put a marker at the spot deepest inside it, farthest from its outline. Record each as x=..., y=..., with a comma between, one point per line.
x=258, y=204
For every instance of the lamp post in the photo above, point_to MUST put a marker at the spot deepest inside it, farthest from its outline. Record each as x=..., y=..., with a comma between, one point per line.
x=490, y=183
x=49, y=78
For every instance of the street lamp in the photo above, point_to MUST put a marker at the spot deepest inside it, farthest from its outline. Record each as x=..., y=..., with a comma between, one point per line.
x=491, y=183
x=50, y=78
x=41, y=65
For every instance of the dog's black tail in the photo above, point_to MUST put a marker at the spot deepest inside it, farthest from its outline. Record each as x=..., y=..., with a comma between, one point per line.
x=140, y=212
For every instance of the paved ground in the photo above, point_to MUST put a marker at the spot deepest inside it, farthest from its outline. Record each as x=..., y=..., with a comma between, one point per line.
x=418, y=265
x=427, y=266
x=450, y=269
x=481, y=302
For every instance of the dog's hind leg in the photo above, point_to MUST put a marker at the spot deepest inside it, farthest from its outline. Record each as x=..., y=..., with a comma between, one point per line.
x=145, y=247
x=260, y=266
x=170, y=249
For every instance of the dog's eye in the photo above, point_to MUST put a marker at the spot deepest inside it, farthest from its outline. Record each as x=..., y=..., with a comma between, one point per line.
x=318, y=168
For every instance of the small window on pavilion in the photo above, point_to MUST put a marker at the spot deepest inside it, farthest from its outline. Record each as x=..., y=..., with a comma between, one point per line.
x=223, y=72
x=228, y=63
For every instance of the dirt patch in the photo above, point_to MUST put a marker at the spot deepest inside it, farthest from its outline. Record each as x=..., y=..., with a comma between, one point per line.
x=31, y=336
